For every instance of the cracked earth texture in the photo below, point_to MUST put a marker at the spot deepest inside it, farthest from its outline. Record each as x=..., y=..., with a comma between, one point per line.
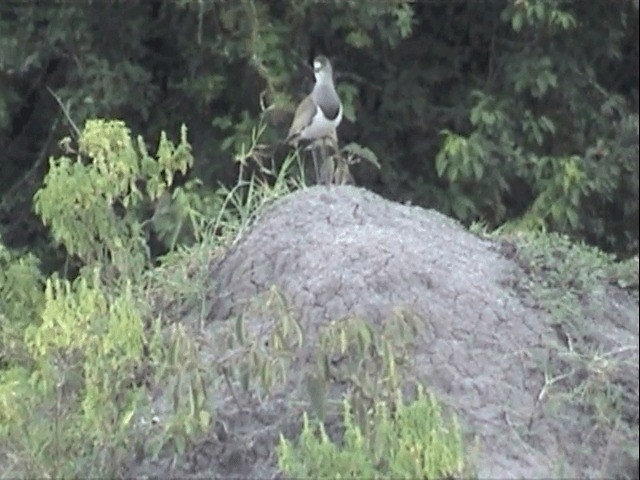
x=340, y=251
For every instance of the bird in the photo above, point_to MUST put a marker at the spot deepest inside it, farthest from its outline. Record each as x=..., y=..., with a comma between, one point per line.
x=317, y=116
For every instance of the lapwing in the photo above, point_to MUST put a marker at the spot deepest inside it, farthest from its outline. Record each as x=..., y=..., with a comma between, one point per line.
x=319, y=114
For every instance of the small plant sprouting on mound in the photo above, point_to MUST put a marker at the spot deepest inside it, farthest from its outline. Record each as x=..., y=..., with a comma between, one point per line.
x=261, y=356
x=371, y=363
x=405, y=440
x=384, y=437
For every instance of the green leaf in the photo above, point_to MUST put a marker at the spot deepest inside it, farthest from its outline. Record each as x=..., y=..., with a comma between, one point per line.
x=348, y=94
x=361, y=152
x=478, y=169
x=317, y=390
x=441, y=163
x=359, y=39
x=517, y=21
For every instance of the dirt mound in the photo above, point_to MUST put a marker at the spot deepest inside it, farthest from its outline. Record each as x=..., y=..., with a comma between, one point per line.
x=484, y=344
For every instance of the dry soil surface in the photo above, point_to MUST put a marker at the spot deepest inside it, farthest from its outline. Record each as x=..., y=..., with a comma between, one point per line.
x=484, y=344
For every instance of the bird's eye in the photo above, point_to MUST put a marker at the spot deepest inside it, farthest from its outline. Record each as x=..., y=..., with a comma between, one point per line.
x=317, y=65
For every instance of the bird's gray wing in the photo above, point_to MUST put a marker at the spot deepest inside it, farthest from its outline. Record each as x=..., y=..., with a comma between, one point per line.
x=302, y=118
x=327, y=99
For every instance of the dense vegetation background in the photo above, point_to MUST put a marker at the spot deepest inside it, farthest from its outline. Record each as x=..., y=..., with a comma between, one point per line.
x=516, y=112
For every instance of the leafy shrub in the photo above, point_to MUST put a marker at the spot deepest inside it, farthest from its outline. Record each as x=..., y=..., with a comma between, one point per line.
x=78, y=391
x=78, y=355
x=524, y=158
x=93, y=203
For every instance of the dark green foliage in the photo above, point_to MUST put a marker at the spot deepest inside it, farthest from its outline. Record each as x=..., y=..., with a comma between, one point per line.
x=515, y=111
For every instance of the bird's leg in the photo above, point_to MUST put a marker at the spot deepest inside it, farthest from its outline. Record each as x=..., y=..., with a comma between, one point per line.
x=314, y=155
x=323, y=168
x=328, y=164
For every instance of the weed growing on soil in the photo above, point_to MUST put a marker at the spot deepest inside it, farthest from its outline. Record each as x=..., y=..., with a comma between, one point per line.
x=585, y=369
x=402, y=440
x=370, y=363
x=262, y=355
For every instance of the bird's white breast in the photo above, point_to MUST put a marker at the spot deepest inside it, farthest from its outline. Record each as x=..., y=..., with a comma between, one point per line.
x=320, y=126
